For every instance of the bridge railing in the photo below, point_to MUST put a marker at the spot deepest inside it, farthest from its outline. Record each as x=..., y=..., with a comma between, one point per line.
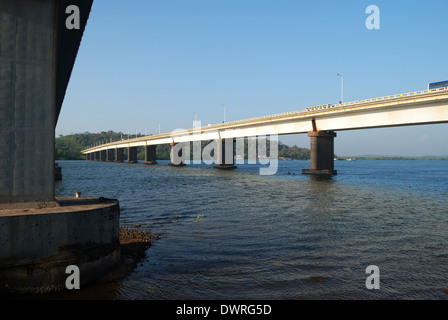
x=328, y=106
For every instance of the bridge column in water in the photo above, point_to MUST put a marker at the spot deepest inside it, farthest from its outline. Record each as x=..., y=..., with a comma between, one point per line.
x=110, y=155
x=150, y=155
x=322, y=153
x=132, y=154
x=96, y=156
x=119, y=154
x=177, y=154
x=225, y=154
x=103, y=155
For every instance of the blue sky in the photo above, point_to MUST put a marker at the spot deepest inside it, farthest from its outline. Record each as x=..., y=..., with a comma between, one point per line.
x=148, y=62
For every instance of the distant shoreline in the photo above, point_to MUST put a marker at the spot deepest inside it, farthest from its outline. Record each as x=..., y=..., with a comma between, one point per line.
x=426, y=158
x=338, y=159
x=432, y=158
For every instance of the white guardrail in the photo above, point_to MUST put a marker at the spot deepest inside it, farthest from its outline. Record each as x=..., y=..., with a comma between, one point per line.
x=328, y=106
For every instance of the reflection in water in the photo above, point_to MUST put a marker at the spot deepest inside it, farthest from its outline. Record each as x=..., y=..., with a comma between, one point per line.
x=288, y=236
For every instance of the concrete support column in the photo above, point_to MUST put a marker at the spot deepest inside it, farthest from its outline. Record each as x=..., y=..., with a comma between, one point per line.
x=27, y=103
x=110, y=155
x=225, y=154
x=132, y=154
x=322, y=153
x=150, y=155
x=97, y=156
x=40, y=235
x=119, y=154
x=177, y=155
x=103, y=155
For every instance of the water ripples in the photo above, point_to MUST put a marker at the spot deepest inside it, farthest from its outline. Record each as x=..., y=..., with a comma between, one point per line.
x=279, y=237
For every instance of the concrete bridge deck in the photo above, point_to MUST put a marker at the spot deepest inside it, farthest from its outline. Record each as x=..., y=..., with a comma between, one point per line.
x=320, y=122
x=414, y=108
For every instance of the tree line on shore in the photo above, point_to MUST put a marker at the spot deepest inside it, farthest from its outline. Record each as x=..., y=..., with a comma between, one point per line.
x=69, y=147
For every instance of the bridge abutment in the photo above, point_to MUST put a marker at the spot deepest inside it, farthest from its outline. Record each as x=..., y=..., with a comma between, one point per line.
x=41, y=235
x=322, y=153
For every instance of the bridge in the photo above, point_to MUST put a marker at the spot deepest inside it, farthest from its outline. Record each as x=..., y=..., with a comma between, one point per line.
x=40, y=235
x=320, y=122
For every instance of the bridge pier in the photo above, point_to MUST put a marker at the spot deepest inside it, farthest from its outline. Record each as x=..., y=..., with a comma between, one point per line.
x=225, y=154
x=132, y=154
x=150, y=155
x=119, y=154
x=97, y=156
x=177, y=154
x=40, y=235
x=110, y=155
x=103, y=155
x=322, y=153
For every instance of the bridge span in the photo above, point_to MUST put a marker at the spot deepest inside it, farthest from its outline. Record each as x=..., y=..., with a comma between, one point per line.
x=320, y=122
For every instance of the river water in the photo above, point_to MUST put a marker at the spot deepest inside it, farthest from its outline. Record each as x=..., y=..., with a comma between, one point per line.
x=285, y=236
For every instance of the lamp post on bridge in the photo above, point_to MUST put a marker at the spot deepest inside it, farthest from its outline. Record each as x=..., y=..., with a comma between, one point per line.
x=342, y=88
x=224, y=113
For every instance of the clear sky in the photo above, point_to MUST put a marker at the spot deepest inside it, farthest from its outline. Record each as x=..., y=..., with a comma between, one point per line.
x=148, y=62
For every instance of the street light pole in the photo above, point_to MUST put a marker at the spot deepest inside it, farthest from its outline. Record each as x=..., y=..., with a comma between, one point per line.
x=342, y=88
x=224, y=113
x=195, y=121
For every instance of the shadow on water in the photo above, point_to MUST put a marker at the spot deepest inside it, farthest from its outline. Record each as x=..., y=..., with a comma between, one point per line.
x=321, y=177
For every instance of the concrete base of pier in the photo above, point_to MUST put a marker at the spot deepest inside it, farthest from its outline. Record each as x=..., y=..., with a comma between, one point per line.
x=37, y=245
x=320, y=172
x=225, y=166
x=150, y=162
x=177, y=165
